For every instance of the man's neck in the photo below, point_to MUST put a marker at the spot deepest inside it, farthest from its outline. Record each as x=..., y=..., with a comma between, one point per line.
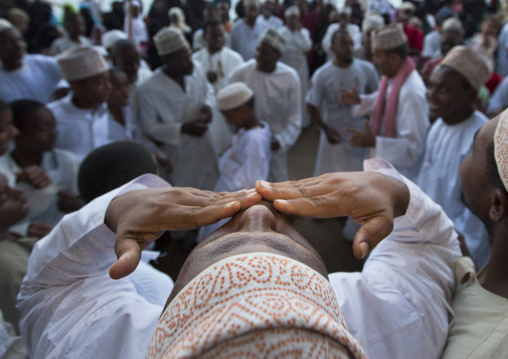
x=214, y=50
x=250, y=22
x=26, y=158
x=84, y=104
x=342, y=63
x=496, y=278
x=178, y=78
x=12, y=66
x=459, y=117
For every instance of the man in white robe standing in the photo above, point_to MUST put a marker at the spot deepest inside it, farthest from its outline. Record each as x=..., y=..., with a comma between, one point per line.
x=277, y=90
x=175, y=110
x=343, y=14
x=453, y=88
x=335, y=154
x=82, y=119
x=399, y=109
x=32, y=77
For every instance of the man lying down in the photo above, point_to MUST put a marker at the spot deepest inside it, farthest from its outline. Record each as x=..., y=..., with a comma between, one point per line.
x=254, y=288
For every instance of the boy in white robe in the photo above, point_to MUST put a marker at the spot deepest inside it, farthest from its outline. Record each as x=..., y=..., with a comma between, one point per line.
x=452, y=91
x=82, y=116
x=248, y=159
x=175, y=110
x=335, y=154
x=276, y=87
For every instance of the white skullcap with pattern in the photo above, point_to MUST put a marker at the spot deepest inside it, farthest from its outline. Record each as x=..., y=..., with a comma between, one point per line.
x=292, y=10
x=470, y=64
x=5, y=25
x=274, y=38
x=233, y=96
x=170, y=40
x=81, y=62
x=251, y=3
x=501, y=148
x=261, y=304
x=389, y=37
x=372, y=21
x=110, y=38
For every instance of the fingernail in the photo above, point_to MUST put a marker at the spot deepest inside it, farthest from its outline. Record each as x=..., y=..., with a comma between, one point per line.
x=253, y=190
x=263, y=183
x=281, y=201
x=230, y=204
x=364, y=248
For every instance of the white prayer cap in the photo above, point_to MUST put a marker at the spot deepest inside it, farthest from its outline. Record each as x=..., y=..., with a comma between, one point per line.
x=5, y=25
x=470, y=64
x=501, y=148
x=346, y=10
x=389, y=37
x=372, y=21
x=81, y=62
x=169, y=40
x=250, y=3
x=233, y=96
x=292, y=10
x=110, y=38
x=273, y=38
x=263, y=304
x=407, y=6
x=452, y=24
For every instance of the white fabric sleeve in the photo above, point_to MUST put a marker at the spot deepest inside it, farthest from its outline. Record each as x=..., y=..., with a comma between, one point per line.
x=302, y=40
x=289, y=134
x=499, y=100
x=327, y=39
x=366, y=106
x=406, y=149
x=399, y=305
x=69, y=304
x=315, y=93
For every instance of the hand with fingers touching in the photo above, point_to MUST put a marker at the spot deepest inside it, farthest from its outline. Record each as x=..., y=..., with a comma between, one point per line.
x=139, y=217
x=349, y=97
x=332, y=135
x=34, y=175
x=362, y=139
x=370, y=199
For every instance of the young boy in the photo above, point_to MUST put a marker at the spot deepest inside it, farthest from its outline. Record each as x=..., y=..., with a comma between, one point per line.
x=248, y=159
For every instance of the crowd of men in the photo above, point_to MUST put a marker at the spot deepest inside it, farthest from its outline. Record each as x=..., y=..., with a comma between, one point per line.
x=119, y=130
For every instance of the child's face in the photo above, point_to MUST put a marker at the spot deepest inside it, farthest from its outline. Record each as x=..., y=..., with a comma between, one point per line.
x=7, y=131
x=38, y=134
x=13, y=204
x=238, y=117
x=95, y=89
x=119, y=95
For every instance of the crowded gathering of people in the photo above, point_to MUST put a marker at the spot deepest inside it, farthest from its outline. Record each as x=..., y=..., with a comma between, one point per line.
x=135, y=135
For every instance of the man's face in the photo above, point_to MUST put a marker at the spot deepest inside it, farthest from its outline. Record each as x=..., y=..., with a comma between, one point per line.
x=119, y=95
x=449, y=39
x=38, y=133
x=180, y=61
x=12, y=46
x=95, y=89
x=7, y=131
x=75, y=25
x=447, y=93
x=215, y=38
x=128, y=60
x=268, y=8
x=251, y=12
x=343, y=20
x=257, y=229
x=342, y=47
x=383, y=62
x=223, y=9
x=210, y=14
x=293, y=21
x=13, y=204
x=238, y=117
x=473, y=172
x=266, y=57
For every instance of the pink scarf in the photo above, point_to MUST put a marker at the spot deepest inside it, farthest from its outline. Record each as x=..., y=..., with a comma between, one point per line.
x=390, y=114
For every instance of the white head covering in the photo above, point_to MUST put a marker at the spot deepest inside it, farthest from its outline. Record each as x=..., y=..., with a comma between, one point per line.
x=501, y=148
x=233, y=96
x=109, y=38
x=5, y=25
x=180, y=24
x=470, y=64
x=250, y=2
x=169, y=40
x=81, y=62
x=453, y=24
x=372, y=21
x=292, y=10
x=406, y=5
x=389, y=37
x=257, y=303
x=273, y=38
x=344, y=10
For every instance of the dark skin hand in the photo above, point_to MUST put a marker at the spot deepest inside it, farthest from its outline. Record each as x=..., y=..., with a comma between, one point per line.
x=362, y=139
x=212, y=76
x=38, y=230
x=69, y=202
x=35, y=176
x=275, y=144
x=199, y=127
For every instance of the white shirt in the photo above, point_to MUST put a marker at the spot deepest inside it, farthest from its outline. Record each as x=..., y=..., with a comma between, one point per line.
x=65, y=43
x=324, y=94
x=222, y=62
x=354, y=31
x=499, y=100
x=431, y=44
x=298, y=43
x=80, y=131
x=35, y=80
x=272, y=21
x=163, y=108
x=400, y=302
x=502, y=51
x=406, y=150
x=199, y=42
x=244, y=39
x=446, y=148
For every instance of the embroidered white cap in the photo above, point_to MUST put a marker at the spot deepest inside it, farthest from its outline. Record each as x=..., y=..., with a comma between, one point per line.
x=274, y=38
x=110, y=38
x=170, y=40
x=81, y=62
x=233, y=96
x=389, y=37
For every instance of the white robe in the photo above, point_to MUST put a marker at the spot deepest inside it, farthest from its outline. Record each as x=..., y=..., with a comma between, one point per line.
x=35, y=80
x=406, y=150
x=397, y=307
x=326, y=82
x=199, y=42
x=499, y=100
x=244, y=163
x=80, y=131
x=431, y=44
x=277, y=101
x=298, y=43
x=65, y=43
x=244, y=39
x=502, y=51
x=446, y=148
x=163, y=108
x=354, y=31
x=272, y=21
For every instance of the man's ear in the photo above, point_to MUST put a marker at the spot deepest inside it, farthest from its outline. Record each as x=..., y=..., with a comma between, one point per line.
x=498, y=205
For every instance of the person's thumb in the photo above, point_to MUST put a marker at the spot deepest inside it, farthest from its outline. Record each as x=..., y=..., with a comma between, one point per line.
x=370, y=234
x=128, y=253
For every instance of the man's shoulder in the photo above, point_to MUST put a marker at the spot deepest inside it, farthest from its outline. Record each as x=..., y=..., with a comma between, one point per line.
x=40, y=59
x=231, y=53
x=414, y=86
x=246, y=68
x=286, y=70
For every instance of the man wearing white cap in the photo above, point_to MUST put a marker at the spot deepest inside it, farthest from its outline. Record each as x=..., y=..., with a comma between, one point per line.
x=175, y=109
x=74, y=25
x=82, y=116
x=399, y=109
x=278, y=97
x=344, y=13
x=268, y=11
x=247, y=31
x=453, y=88
x=371, y=23
x=32, y=77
